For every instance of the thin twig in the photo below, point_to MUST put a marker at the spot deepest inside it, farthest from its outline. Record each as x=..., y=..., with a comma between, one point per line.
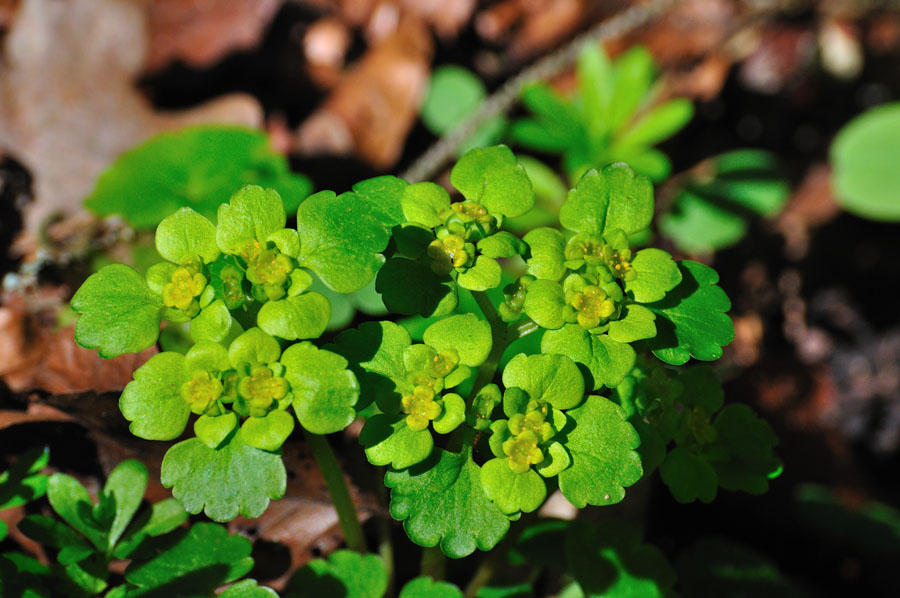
x=430, y=163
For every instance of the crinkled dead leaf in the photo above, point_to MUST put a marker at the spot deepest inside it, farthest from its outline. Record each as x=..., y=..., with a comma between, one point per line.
x=69, y=106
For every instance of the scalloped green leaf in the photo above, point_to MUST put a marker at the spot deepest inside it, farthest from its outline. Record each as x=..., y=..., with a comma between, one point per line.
x=198, y=167
x=384, y=195
x=152, y=402
x=425, y=587
x=389, y=441
x=269, y=432
x=608, y=360
x=341, y=240
x=614, y=198
x=295, y=318
x=253, y=346
x=346, y=574
x=604, y=461
x=688, y=476
x=213, y=430
x=546, y=253
x=544, y=303
x=212, y=323
x=656, y=274
x=552, y=378
x=492, y=177
x=118, y=312
x=466, y=334
x=324, y=390
x=248, y=588
x=692, y=321
x=235, y=479
x=512, y=492
x=749, y=442
x=252, y=214
x=195, y=562
x=186, y=235
x=502, y=244
x=375, y=354
x=484, y=275
x=423, y=203
x=637, y=324
x=441, y=501
x=411, y=287
x=609, y=559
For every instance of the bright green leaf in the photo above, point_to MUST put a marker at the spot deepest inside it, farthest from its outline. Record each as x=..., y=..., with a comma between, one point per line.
x=118, y=312
x=604, y=461
x=512, y=492
x=324, y=390
x=126, y=483
x=301, y=317
x=441, y=501
x=346, y=574
x=692, y=321
x=253, y=347
x=198, y=167
x=552, y=378
x=464, y=333
x=546, y=257
x=186, y=235
x=341, y=239
x=152, y=402
x=269, y=432
x=502, y=244
x=608, y=360
x=212, y=323
x=248, y=588
x=389, y=441
x=656, y=273
x=493, y=178
x=453, y=415
x=614, y=198
x=252, y=214
x=635, y=325
x=425, y=587
x=213, y=430
x=424, y=202
x=544, y=303
x=484, y=275
x=233, y=479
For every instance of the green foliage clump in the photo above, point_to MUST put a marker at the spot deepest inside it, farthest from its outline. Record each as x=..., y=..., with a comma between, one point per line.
x=165, y=558
x=196, y=167
x=470, y=445
x=610, y=118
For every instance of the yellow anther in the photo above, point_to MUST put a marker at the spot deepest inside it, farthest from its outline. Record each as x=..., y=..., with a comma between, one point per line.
x=185, y=285
x=448, y=253
x=420, y=407
x=201, y=392
x=523, y=451
x=261, y=389
x=593, y=306
x=533, y=422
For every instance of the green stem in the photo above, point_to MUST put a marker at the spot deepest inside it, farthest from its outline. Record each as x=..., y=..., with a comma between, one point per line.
x=385, y=545
x=500, y=340
x=434, y=563
x=337, y=488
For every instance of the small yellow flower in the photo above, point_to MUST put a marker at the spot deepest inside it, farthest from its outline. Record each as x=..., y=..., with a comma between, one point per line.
x=201, y=392
x=261, y=389
x=523, y=451
x=185, y=285
x=593, y=305
x=420, y=407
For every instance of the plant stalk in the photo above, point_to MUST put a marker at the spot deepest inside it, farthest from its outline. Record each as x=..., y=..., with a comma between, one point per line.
x=434, y=563
x=337, y=488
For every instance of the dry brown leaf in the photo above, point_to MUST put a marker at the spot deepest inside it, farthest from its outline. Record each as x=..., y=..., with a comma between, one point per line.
x=34, y=354
x=199, y=32
x=68, y=105
x=372, y=109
